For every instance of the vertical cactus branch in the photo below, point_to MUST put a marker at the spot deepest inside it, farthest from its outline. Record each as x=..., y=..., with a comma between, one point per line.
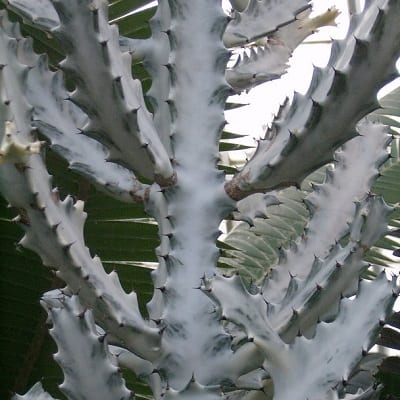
x=192, y=335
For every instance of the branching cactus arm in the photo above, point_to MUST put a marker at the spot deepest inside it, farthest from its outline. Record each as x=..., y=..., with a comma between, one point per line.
x=62, y=122
x=86, y=156
x=342, y=92
x=54, y=228
x=90, y=370
x=333, y=345
x=260, y=18
x=317, y=297
x=105, y=89
x=372, y=305
x=40, y=13
x=332, y=205
x=268, y=57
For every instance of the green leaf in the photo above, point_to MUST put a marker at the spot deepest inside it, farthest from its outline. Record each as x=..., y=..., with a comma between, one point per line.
x=390, y=104
x=226, y=146
x=132, y=25
x=119, y=8
x=257, y=247
x=389, y=375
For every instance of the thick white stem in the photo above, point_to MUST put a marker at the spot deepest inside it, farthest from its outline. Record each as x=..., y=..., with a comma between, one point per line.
x=197, y=202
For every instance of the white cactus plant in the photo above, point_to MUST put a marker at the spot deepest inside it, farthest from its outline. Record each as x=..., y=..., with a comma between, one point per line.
x=300, y=331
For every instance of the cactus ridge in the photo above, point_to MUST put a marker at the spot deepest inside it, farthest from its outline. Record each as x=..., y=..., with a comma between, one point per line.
x=156, y=63
x=158, y=208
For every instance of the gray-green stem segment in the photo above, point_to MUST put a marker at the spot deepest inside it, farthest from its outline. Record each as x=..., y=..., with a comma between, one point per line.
x=189, y=213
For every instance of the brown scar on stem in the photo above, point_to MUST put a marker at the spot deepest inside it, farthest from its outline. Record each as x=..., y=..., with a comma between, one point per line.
x=232, y=187
x=23, y=217
x=233, y=190
x=137, y=199
x=164, y=182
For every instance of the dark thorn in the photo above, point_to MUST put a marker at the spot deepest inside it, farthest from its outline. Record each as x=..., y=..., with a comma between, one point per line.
x=67, y=247
x=364, y=352
x=102, y=338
